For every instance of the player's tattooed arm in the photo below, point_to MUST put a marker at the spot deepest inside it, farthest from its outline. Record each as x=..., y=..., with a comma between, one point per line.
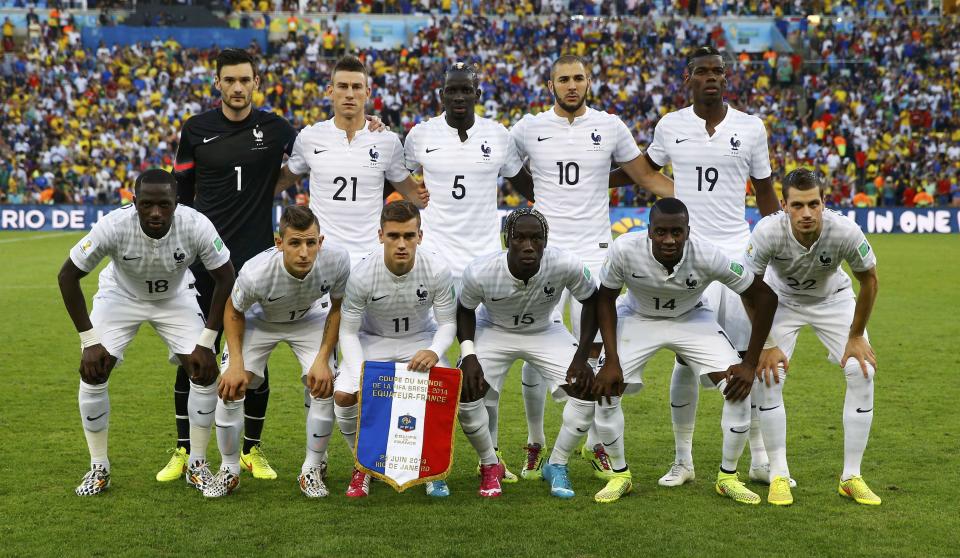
x=95, y=362
x=320, y=377
x=767, y=201
x=286, y=179
x=609, y=381
x=857, y=345
x=233, y=382
x=523, y=183
x=474, y=386
x=641, y=172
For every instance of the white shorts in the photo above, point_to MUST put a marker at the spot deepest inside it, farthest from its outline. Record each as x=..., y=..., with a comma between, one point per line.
x=386, y=349
x=177, y=320
x=696, y=337
x=261, y=337
x=731, y=314
x=829, y=319
x=549, y=351
x=594, y=266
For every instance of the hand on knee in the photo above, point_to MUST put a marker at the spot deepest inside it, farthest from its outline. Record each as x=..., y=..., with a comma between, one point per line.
x=853, y=370
x=343, y=399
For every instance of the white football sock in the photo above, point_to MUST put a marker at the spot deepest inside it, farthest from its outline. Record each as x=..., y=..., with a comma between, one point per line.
x=201, y=406
x=577, y=417
x=857, y=416
x=347, y=421
x=735, y=422
x=319, y=429
x=229, y=428
x=608, y=421
x=475, y=425
x=492, y=402
x=534, y=390
x=758, y=451
x=773, y=423
x=95, y=404
x=684, y=394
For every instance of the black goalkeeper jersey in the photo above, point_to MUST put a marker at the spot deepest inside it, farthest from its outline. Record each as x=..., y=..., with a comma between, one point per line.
x=227, y=171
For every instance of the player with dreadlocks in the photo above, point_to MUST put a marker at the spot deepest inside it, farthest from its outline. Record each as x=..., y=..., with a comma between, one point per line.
x=519, y=289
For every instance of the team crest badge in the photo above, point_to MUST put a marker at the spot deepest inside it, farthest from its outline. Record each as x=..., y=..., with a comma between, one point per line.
x=422, y=295
x=407, y=423
x=179, y=256
x=595, y=139
x=486, y=150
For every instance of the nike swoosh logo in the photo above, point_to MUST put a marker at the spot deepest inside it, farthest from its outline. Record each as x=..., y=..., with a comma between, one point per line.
x=208, y=140
x=498, y=299
x=543, y=139
x=432, y=150
x=207, y=413
x=222, y=426
x=315, y=436
x=762, y=408
x=584, y=431
x=91, y=419
x=272, y=299
x=781, y=259
x=859, y=410
x=610, y=443
x=744, y=431
x=682, y=140
x=679, y=406
x=376, y=298
x=318, y=151
x=635, y=276
x=126, y=259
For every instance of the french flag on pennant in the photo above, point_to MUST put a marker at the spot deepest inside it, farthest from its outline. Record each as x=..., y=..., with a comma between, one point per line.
x=407, y=420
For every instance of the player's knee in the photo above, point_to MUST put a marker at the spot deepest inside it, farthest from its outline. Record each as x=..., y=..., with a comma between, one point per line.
x=182, y=383
x=229, y=412
x=608, y=413
x=320, y=417
x=94, y=406
x=578, y=391
x=255, y=383
x=344, y=399
x=491, y=398
x=736, y=415
x=578, y=415
x=854, y=372
x=472, y=416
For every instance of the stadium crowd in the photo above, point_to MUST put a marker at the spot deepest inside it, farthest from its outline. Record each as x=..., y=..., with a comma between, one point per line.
x=874, y=105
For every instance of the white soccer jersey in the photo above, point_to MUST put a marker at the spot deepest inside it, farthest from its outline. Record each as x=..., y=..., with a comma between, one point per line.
x=346, y=180
x=654, y=292
x=269, y=292
x=804, y=275
x=524, y=307
x=710, y=173
x=386, y=305
x=147, y=268
x=461, y=221
x=570, y=164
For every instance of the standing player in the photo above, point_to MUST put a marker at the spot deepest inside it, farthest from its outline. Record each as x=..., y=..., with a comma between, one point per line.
x=462, y=157
x=399, y=307
x=277, y=297
x=227, y=165
x=803, y=248
x=150, y=245
x=520, y=290
x=347, y=164
x=571, y=148
x=665, y=273
x=714, y=150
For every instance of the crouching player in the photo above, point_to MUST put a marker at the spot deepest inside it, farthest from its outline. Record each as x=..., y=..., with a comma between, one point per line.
x=388, y=315
x=150, y=244
x=665, y=273
x=519, y=290
x=277, y=297
x=803, y=246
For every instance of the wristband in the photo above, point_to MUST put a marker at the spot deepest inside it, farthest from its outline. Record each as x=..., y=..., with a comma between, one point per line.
x=207, y=338
x=466, y=349
x=89, y=338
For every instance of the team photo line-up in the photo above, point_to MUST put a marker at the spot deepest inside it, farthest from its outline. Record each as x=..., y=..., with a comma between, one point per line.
x=196, y=256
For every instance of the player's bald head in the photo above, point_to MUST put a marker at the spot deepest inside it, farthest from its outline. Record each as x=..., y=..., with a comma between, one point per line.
x=668, y=206
x=156, y=177
x=463, y=70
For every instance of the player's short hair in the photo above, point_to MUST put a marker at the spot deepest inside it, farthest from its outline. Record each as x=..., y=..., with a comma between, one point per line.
x=399, y=211
x=155, y=176
x=802, y=178
x=568, y=59
x=463, y=68
x=297, y=217
x=668, y=206
x=234, y=57
x=700, y=52
x=349, y=63
x=510, y=223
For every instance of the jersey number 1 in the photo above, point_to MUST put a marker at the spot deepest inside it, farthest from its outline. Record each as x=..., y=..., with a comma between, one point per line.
x=238, y=169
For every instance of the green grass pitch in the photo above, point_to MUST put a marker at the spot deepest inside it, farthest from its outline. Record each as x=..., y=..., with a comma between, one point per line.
x=911, y=461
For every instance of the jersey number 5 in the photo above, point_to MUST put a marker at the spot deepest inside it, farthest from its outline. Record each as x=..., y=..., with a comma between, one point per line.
x=459, y=190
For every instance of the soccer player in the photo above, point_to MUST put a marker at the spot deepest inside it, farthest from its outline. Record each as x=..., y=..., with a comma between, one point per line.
x=347, y=164
x=803, y=247
x=665, y=273
x=150, y=244
x=519, y=290
x=714, y=150
x=227, y=165
x=462, y=157
x=280, y=295
x=570, y=149
x=399, y=307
